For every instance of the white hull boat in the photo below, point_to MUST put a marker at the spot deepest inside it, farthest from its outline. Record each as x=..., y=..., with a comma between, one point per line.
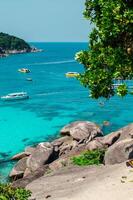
x=15, y=96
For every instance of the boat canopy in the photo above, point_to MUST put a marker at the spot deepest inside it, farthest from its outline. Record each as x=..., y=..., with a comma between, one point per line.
x=17, y=94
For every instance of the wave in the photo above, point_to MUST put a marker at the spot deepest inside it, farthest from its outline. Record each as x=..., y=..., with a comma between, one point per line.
x=54, y=63
x=48, y=93
x=62, y=92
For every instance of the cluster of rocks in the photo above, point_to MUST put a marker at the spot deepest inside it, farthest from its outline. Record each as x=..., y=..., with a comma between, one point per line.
x=76, y=138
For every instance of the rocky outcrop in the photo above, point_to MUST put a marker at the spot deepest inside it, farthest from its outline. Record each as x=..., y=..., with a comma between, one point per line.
x=119, y=152
x=122, y=149
x=31, y=177
x=103, y=142
x=95, y=144
x=84, y=183
x=76, y=138
x=19, y=156
x=19, y=169
x=81, y=130
x=28, y=151
x=40, y=157
x=126, y=132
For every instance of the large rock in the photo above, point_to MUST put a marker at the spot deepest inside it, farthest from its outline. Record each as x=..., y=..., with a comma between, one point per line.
x=126, y=132
x=67, y=146
x=119, y=152
x=103, y=142
x=82, y=130
x=19, y=156
x=110, y=139
x=31, y=177
x=41, y=156
x=59, y=163
x=19, y=169
x=29, y=150
x=58, y=142
x=94, y=144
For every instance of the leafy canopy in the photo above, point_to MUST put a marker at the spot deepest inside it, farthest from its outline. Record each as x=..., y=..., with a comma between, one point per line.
x=110, y=55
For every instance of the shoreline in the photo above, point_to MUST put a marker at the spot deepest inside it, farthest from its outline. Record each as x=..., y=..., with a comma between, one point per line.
x=14, y=52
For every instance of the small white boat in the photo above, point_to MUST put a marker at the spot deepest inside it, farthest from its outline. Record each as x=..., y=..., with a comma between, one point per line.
x=15, y=96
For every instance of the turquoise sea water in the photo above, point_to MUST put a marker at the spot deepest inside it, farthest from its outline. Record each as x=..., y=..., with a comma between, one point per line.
x=54, y=100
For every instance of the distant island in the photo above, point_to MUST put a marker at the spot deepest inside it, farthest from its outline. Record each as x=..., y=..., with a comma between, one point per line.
x=13, y=45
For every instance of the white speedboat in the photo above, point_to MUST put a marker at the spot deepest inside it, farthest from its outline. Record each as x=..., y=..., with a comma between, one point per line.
x=15, y=96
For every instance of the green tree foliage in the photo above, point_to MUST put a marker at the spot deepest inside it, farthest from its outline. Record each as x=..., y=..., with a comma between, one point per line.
x=8, y=42
x=110, y=53
x=7, y=192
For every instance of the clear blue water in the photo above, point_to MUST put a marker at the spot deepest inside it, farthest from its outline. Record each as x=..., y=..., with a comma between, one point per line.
x=54, y=100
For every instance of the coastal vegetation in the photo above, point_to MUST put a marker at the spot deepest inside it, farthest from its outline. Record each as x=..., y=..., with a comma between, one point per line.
x=13, y=45
x=8, y=42
x=95, y=157
x=7, y=192
x=110, y=54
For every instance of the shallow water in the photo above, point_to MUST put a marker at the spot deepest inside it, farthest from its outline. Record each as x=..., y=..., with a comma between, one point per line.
x=54, y=99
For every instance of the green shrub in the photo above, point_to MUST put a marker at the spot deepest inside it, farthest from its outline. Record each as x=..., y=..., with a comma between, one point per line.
x=7, y=192
x=94, y=157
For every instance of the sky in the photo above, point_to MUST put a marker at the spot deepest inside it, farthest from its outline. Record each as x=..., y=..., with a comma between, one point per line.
x=45, y=20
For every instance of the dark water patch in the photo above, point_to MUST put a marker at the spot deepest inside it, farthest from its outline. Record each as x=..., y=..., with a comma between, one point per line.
x=9, y=152
x=59, y=107
x=25, y=139
x=128, y=121
x=109, y=129
x=14, y=103
x=4, y=161
x=34, y=143
x=51, y=138
x=5, y=164
x=42, y=111
x=40, y=139
x=59, y=127
x=77, y=117
x=50, y=116
x=31, y=143
x=4, y=155
x=3, y=120
x=86, y=114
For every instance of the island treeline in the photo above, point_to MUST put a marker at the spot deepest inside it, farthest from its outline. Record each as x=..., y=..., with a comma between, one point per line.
x=9, y=42
x=12, y=45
